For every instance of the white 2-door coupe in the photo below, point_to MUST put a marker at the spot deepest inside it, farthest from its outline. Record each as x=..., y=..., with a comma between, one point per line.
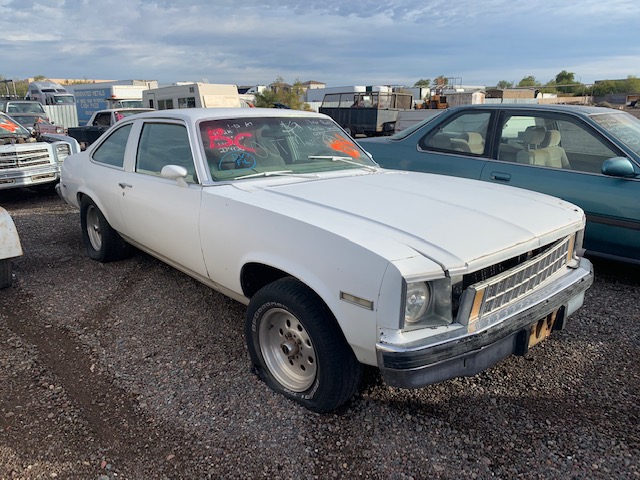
x=340, y=262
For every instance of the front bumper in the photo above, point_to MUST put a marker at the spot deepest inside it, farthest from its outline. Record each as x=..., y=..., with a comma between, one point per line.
x=29, y=177
x=423, y=363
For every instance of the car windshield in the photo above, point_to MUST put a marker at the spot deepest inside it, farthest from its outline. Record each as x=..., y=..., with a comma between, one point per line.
x=416, y=126
x=120, y=114
x=63, y=100
x=10, y=128
x=261, y=146
x=24, y=107
x=622, y=126
x=27, y=120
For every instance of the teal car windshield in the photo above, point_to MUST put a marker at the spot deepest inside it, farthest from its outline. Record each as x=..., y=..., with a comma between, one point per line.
x=262, y=146
x=622, y=126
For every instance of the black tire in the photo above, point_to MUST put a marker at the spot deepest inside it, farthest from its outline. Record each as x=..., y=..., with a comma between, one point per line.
x=103, y=243
x=297, y=347
x=6, y=275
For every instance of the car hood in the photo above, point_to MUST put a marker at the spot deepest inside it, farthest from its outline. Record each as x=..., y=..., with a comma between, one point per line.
x=458, y=223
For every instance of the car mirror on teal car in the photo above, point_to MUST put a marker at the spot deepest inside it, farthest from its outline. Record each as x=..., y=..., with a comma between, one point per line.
x=618, y=167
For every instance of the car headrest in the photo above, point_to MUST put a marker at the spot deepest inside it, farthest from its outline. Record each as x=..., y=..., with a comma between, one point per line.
x=533, y=136
x=551, y=139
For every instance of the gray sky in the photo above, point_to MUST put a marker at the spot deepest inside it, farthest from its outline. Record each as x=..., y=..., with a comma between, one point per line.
x=372, y=42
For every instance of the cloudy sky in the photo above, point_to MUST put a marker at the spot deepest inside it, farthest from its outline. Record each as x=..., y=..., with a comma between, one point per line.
x=371, y=42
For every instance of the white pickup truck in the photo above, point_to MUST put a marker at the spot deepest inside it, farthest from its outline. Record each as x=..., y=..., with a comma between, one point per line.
x=99, y=123
x=340, y=262
x=29, y=159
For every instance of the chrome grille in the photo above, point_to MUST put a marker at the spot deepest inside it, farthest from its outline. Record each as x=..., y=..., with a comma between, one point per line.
x=521, y=280
x=20, y=158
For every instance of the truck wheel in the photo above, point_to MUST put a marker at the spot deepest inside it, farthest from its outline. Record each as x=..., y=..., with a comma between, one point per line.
x=298, y=348
x=6, y=277
x=103, y=243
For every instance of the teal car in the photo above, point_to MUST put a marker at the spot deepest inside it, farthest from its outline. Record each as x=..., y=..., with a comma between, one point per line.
x=589, y=156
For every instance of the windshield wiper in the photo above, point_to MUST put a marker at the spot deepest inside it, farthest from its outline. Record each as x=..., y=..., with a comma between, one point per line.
x=335, y=158
x=283, y=173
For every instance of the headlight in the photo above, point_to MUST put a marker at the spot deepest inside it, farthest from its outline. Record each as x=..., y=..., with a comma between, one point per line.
x=417, y=301
x=62, y=151
x=427, y=304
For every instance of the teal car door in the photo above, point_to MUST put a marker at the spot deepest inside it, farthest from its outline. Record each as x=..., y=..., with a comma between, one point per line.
x=563, y=156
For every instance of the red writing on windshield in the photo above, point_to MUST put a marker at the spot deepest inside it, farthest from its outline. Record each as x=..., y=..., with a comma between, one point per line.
x=217, y=139
x=8, y=125
x=341, y=144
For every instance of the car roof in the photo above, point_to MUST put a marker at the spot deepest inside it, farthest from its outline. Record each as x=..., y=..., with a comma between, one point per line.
x=127, y=109
x=22, y=101
x=194, y=114
x=576, y=109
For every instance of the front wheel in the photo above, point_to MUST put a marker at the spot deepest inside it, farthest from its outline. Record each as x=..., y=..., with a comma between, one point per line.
x=6, y=274
x=298, y=348
x=103, y=243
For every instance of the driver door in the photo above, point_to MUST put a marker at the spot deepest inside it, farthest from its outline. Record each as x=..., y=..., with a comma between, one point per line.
x=160, y=214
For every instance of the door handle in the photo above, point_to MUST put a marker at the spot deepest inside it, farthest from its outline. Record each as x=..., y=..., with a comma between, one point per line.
x=500, y=176
x=125, y=185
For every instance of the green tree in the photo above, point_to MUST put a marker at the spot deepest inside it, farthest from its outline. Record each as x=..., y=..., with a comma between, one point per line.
x=504, y=84
x=632, y=84
x=9, y=87
x=565, y=78
x=423, y=82
x=605, y=87
x=569, y=79
x=529, y=81
x=280, y=92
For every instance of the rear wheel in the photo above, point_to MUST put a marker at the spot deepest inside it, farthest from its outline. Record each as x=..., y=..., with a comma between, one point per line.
x=103, y=243
x=298, y=348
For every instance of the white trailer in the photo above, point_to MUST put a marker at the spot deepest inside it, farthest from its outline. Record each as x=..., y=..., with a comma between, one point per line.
x=192, y=95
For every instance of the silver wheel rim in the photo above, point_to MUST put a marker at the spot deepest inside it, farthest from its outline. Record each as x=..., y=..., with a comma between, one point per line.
x=93, y=228
x=287, y=350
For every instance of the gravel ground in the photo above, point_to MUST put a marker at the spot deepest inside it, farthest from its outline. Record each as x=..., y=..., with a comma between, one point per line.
x=133, y=370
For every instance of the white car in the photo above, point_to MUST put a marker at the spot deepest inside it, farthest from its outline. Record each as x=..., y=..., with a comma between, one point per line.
x=340, y=262
x=10, y=248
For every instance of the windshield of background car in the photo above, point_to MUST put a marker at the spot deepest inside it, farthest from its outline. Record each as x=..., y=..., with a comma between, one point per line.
x=253, y=146
x=63, y=100
x=10, y=128
x=25, y=107
x=416, y=126
x=120, y=114
x=622, y=126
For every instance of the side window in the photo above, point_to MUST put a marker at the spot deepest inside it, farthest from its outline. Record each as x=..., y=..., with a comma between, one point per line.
x=188, y=102
x=111, y=151
x=464, y=134
x=552, y=141
x=165, y=104
x=584, y=148
x=164, y=144
x=103, y=119
x=520, y=133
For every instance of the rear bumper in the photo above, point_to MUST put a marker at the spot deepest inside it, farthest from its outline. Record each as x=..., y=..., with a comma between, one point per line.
x=422, y=364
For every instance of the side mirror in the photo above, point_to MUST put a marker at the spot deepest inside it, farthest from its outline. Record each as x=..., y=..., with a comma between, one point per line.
x=618, y=167
x=175, y=172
